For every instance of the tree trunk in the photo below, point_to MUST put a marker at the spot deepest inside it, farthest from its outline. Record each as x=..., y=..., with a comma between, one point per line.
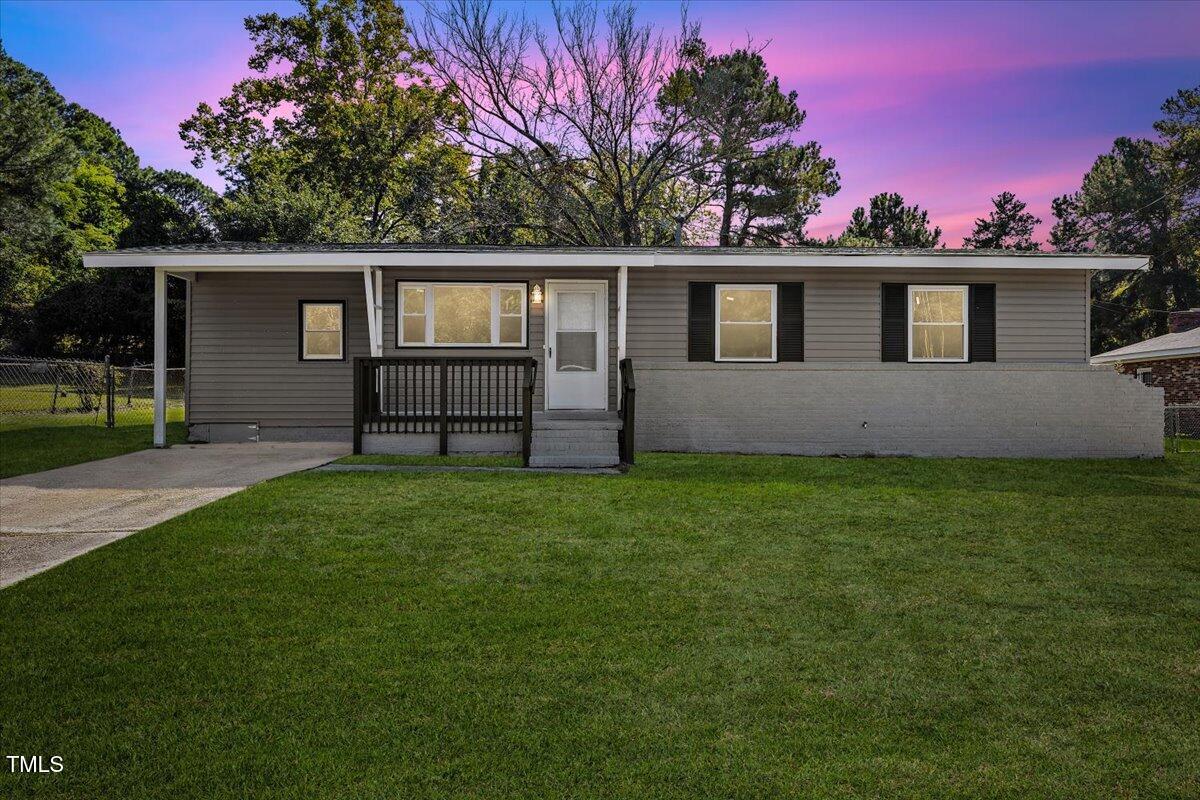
x=726, y=205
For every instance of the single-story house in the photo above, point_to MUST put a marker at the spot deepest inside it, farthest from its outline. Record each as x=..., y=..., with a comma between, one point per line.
x=1170, y=361
x=569, y=353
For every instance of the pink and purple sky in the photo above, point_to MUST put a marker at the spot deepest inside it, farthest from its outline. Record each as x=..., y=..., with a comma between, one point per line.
x=946, y=103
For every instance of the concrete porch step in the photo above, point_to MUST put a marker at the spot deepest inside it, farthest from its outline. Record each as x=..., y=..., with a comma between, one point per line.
x=575, y=439
x=576, y=461
x=613, y=424
x=568, y=446
x=575, y=435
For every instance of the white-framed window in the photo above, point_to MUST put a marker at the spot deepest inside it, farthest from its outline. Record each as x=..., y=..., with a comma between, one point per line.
x=322, y=330
x=1145, y=375
x=937, y=323
x=746, y=319
x=449, y=314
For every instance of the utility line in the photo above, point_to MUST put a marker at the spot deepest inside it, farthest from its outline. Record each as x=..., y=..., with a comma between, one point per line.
x=1119, y=307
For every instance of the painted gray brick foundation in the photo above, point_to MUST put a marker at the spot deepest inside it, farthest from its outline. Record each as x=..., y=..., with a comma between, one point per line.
x=427, y=443
x=1010, y=410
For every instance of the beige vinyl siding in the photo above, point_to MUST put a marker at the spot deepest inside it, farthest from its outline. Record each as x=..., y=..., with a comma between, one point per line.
x=244, y=350
x=244, y=343
x=244, y=338
x=1040, y=314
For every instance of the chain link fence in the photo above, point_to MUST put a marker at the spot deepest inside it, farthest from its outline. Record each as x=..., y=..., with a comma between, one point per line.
x=37, y=391
x=1182, y=428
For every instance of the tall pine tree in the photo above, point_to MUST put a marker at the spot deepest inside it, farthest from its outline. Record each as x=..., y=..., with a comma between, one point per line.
x=889, y=223
x=1143, y=196
x=1008, y=227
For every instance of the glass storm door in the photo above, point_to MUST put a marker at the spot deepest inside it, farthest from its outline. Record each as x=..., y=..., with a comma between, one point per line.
x=576, y=345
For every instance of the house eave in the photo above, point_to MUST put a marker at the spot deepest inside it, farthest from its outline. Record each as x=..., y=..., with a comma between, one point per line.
x=353, y=261
x=1164, y=354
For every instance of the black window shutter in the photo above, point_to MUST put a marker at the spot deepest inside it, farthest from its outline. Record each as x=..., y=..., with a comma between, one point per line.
x=981, y=324
x=894, y=336
x=789, y=329
x=702, y=321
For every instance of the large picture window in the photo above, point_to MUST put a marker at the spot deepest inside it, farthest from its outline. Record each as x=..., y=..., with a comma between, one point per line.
x=461, y=314
x=937, y=321
x=745, y=322
x=322, y=331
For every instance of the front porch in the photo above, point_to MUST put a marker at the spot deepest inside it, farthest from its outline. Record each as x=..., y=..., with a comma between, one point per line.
x=446, y=406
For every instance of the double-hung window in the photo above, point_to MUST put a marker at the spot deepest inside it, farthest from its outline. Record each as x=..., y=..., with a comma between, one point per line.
x=937, y=322
x=746, y=322
x=461, y=314
x=322, y=331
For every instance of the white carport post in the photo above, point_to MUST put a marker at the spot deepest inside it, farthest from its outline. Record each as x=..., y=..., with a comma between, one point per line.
x=160, y=357
x=373, y=286
x=378, y=308
x=622, y=302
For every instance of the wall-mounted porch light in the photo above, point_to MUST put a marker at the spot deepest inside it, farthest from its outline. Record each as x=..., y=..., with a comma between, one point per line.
x=535, y=295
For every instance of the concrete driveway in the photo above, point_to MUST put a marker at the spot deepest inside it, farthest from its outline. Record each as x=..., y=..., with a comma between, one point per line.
x=49, y=517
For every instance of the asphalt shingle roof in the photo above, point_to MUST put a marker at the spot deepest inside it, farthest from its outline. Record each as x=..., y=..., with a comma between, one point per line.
x=1180, y=345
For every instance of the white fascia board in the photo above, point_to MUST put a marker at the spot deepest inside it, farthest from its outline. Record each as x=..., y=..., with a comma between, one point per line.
x=761, y=258
x=1147, y=355
x=354, y=261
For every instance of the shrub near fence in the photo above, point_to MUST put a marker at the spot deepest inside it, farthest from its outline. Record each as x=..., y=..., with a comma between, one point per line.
x=56, y=392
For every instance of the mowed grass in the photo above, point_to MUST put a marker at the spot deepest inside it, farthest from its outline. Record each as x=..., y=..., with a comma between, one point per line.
x=36, y=443
x=704, y=626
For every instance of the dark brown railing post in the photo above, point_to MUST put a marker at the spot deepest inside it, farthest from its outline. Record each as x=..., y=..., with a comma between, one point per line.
x=358, y=404
x=443, y=427
x=110, y=387
x=527, y=410
x=626, y=442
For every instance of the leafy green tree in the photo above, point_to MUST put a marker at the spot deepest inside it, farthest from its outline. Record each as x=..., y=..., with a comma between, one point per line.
x=1008, y=226
x=36, y=155
x=341, y=104
x=69, y=183
x=504, y=208
x=96, y=139
x=889, y=223
x=766, y=186
x=1143, y=196
x=167, y=207
x=89, y=206
x=274, y=209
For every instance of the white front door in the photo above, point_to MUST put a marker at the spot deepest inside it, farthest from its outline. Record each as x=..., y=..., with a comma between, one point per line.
x=576, y=344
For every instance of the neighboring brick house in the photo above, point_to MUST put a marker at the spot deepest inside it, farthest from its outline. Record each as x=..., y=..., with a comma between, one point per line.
x=1171, y=361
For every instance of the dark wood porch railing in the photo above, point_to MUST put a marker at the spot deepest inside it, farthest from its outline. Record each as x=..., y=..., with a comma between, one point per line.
x=444, y=396
x=626, y=444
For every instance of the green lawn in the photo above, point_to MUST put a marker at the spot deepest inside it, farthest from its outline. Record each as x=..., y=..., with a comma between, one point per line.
x=704, y=626
x=36, y=443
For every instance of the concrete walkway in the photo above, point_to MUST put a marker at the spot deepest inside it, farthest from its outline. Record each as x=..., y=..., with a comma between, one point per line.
x=49, y=517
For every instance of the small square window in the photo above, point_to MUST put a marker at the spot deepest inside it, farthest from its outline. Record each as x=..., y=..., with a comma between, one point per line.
x=322, y=331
